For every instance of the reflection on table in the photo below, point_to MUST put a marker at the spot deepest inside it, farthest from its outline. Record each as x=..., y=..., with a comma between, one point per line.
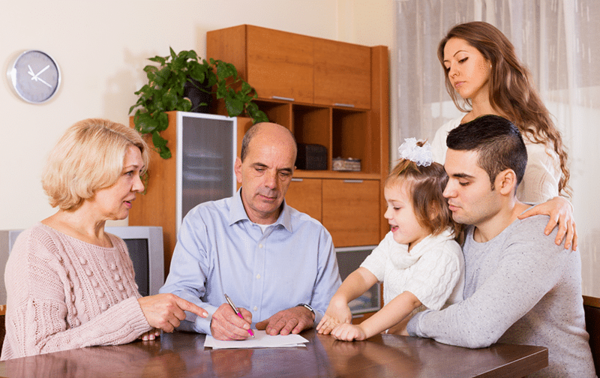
x=183, y=354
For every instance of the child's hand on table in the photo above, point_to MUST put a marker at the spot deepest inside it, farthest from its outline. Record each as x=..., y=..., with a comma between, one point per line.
x=348, y=332
x=337, y=313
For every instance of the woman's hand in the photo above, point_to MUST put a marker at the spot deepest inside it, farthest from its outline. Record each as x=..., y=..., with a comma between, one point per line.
x=337, y=313
x=560, y=211
x=150, y=335
x=166, y=311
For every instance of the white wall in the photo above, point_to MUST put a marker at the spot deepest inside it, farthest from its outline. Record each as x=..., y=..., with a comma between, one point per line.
x=102, y=46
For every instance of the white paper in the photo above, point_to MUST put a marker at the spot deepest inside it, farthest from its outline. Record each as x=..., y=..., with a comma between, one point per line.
x=260, y=340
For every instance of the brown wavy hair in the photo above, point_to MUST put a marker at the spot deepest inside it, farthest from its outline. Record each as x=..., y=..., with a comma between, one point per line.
x=512, y=92
x=425, y=186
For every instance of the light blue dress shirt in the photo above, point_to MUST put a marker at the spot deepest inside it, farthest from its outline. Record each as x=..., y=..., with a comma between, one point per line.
x=220, y=251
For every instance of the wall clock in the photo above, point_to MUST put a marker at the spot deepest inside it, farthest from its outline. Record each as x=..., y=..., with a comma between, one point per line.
x=34, y=76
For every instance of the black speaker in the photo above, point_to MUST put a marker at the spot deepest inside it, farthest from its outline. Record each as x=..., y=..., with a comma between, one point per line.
x=311, y=157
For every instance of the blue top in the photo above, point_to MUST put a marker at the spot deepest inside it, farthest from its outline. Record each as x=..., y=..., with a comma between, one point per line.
x=220, y=251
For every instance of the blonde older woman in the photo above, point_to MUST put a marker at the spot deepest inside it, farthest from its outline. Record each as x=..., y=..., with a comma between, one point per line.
x=70, y=284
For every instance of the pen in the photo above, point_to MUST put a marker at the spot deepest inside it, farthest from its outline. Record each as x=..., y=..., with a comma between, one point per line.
x=235, y=309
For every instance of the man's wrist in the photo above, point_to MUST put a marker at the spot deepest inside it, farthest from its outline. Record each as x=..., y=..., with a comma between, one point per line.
x=308, y=307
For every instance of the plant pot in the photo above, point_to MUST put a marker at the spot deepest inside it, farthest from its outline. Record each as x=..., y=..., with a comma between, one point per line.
x=199, y=94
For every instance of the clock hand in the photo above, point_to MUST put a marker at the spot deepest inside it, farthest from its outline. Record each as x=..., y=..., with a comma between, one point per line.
x=44, y=69
x=37, y=78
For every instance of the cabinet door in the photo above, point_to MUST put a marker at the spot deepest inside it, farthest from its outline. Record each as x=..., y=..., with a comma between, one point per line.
x=342, y=74
x=280, y=64
x=305, y=195
x=351, y=211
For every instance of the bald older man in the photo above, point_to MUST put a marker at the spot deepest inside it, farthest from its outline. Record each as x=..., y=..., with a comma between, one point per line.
x=277, y=264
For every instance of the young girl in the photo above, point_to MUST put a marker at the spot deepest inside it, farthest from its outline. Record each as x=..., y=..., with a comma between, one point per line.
x=418, y=261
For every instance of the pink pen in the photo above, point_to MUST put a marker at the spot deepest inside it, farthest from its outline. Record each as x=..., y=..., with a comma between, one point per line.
x=237, y=312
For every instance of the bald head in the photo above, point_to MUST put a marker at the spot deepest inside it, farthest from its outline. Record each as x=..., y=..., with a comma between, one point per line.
x=269, y=132
x=265, y=170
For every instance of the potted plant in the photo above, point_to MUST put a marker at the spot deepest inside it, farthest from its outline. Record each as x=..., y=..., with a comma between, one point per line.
x=178, y=82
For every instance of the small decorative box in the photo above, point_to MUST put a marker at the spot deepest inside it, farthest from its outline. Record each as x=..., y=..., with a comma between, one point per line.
x=349, y=164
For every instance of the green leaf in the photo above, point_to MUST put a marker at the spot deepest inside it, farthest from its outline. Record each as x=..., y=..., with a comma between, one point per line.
x=225, y=70
x=162, y=121
x=234, y=106
x=170, y=101
x=145, y=124
x=185, y=105
x=161, y=144
x=158, y=59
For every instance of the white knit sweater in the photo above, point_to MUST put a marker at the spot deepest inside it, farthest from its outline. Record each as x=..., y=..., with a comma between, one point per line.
x=63, y=293
x=433, y=270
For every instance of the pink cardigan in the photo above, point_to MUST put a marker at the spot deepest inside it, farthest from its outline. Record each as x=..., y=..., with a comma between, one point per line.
x=63, y=293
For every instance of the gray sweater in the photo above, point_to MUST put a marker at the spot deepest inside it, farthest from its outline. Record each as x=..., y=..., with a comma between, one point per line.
x=520, y=288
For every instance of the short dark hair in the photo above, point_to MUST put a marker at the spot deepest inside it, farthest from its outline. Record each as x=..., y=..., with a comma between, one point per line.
x=498, y=142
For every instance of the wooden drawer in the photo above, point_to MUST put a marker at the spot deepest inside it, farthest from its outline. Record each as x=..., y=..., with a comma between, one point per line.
x=305, y=195
x=351, y=210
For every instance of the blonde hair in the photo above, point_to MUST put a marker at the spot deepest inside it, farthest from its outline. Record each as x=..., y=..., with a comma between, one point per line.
x=425, y=186
x=88, y=157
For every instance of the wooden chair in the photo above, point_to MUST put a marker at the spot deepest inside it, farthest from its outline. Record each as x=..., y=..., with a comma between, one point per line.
x=591, y=307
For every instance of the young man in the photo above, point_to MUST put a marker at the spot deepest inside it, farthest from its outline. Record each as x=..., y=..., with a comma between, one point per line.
x=276, y=264
x=520, y=287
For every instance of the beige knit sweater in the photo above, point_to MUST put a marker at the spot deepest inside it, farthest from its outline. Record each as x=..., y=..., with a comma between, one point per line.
x=63, y=293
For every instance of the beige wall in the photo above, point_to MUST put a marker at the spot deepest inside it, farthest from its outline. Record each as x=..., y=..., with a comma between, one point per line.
x=102, y=46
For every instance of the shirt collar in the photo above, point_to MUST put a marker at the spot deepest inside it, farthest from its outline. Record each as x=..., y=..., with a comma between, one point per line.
x=238, y=213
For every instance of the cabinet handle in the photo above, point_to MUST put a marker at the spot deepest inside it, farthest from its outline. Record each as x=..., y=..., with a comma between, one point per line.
x=353, y=181
x=282, y=98
x=344, y=105
x=297, y=179
x=358, y=316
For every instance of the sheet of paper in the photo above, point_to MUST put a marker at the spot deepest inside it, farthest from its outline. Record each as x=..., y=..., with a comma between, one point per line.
x=260, y=340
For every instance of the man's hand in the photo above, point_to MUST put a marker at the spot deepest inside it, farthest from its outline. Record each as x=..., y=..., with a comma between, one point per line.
x=227, y=325
x=292, y=320
x=166, y=311
x=560, y=211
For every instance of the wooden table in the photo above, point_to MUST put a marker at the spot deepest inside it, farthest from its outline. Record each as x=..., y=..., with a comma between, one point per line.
x=182, y=354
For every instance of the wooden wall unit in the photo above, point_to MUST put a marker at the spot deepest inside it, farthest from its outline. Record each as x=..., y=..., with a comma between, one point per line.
x=331, y=93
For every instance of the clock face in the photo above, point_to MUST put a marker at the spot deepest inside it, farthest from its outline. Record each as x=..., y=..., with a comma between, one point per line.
x=35, y=76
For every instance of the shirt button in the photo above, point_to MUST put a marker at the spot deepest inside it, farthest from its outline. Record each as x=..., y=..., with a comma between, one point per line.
x=255, y=308
x=258, y=276
x=260, y=246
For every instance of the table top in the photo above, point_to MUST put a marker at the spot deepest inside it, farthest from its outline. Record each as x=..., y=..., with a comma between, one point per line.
x=182, y=354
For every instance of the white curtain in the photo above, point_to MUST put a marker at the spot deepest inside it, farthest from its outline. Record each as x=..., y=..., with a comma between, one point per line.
x=559, y=41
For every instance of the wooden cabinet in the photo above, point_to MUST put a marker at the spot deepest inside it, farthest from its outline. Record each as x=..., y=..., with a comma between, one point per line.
x=294, y=67
x=278, y=64
x=349, y=209
x=305, y=195
x=342, y=74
